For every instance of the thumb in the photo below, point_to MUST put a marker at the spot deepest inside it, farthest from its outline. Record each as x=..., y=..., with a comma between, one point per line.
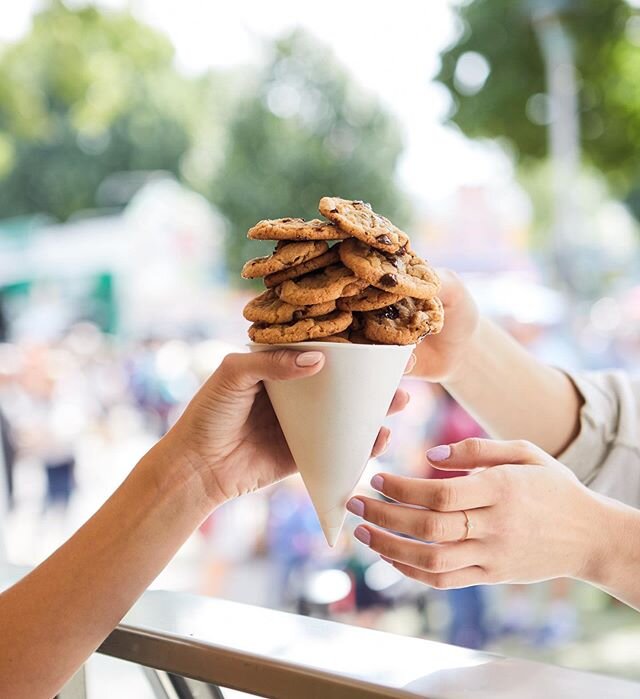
x=481, y=453
x=244, y=371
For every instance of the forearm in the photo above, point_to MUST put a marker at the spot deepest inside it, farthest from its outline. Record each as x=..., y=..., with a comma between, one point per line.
x=60, y=613
x=613, y=563
x=512, y=395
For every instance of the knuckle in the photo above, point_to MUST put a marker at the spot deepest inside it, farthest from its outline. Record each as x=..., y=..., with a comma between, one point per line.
x=229, y=367
x=431, y=560
x=440, y=563
x=431, y=528
x=525, y=446
x=473, y=447
x=444, y=497
x=379, y=515
x=230, y=362
x=278, y=357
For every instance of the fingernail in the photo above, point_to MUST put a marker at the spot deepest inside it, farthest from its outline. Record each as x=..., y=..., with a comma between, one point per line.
x=356, y=506
x=308, y=358
x=377, y=482
x=439, y=453
x=362, y=535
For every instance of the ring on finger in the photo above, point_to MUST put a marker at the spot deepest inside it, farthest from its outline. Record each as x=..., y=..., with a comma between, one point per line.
x=468, y=526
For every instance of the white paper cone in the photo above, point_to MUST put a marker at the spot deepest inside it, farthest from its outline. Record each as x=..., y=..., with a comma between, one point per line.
x=331, y=420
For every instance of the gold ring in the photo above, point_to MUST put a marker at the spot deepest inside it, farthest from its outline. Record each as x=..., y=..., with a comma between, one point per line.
x=468, y=526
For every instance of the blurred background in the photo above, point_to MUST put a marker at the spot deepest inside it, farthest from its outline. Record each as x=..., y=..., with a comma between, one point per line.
x=138, y=142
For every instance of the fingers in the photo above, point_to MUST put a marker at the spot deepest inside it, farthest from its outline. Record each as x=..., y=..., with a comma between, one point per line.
x=381, y=443
x=399, y=402
x=443, y=495
x=411, y=363
x=244, y=371
x=464, y=577
x=433, y=558
x=427, y=525
x=480, y=453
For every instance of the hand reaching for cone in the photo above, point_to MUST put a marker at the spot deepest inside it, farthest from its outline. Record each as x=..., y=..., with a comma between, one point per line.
x=519, y=516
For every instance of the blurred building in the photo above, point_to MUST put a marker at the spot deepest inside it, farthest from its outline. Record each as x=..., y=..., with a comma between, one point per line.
x=138, y=272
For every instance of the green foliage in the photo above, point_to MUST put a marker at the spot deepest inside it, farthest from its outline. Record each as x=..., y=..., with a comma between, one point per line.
x=85, y=94
x=304, y=131
x=606, y=40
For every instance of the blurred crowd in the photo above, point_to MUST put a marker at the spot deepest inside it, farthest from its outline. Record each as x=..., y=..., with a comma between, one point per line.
x=79, y=410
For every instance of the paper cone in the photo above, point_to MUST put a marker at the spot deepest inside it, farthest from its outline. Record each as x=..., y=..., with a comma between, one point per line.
x=331, y=420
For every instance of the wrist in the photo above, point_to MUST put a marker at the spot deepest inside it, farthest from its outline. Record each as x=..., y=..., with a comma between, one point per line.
x=183, y=474
x=610, y=550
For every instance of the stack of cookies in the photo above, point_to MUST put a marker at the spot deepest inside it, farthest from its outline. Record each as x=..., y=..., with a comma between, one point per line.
x=369, y=287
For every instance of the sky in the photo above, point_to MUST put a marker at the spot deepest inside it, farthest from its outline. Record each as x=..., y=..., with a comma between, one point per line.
x=391, y=49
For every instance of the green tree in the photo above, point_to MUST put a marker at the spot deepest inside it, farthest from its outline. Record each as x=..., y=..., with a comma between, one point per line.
x=498, y=41
x=304, y=130
x=85, y=94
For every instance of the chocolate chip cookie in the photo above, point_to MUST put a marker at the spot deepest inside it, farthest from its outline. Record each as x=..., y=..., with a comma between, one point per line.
x=405, y=322
x=295, y=229
x=268, y=308
x=286, y=255
x=328, y=258
x=301, y=330
x=402, y=273
x=367, y=300
x=323, y=285
x=358, y=219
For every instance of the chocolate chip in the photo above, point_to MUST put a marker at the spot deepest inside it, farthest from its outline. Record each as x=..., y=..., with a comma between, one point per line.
x=287, y=220
x=302, y=313
x=334, y=211
x=390, y=312
x=388, y=280
x=384, y=239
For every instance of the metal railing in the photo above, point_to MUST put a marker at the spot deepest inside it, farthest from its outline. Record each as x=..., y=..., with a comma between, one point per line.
x=192, y=646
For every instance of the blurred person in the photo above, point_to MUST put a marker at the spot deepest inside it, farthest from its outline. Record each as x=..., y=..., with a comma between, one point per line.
x=147, y=387
x=57, y=414
x=227, y=443
x=363, y=605
x=522, y=515
x=7, y=457
x=293, y=535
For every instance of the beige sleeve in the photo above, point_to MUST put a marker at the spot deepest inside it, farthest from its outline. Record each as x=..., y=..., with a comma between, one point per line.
x=606, y=453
